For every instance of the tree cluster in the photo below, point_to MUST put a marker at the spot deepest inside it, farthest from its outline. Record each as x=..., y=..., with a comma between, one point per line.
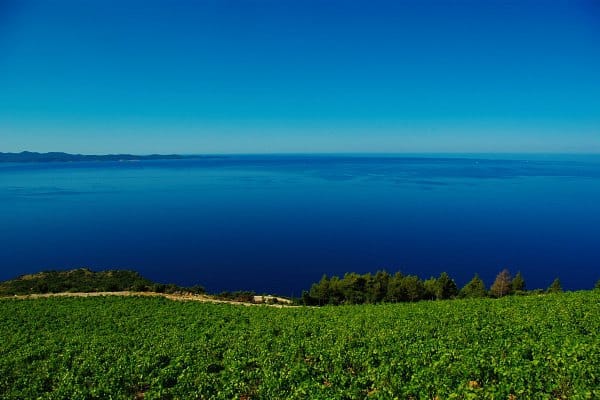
x=380, y=287
x=244, y=296
x=85, y=280
x=354, y=288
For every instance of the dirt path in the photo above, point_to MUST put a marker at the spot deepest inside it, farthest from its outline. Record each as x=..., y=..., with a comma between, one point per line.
x=175, y=297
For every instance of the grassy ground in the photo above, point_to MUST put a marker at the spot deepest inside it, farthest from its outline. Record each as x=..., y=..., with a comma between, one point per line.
x=542, y=347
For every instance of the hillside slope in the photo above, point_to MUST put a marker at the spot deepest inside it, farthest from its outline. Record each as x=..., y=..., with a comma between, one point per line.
x=531, y=347
x=76, y=280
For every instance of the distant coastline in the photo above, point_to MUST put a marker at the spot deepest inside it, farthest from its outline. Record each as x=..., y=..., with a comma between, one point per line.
x=28, y=156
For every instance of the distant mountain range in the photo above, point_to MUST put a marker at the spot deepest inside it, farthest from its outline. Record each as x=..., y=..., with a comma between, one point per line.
x=28, y=156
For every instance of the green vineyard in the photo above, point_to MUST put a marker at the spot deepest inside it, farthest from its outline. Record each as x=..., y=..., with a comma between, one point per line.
x=532, y=347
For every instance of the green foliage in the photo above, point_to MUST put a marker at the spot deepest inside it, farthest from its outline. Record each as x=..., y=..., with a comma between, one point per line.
x=396, y=290
x=555, y=286
x=77, y=280
x=85, y=280
x=413, y=288
x=474, y=289
x=531, y=347
x=320, y=292
x=597, y=285
x=240, y=295
x=197, y=289
x=502, y=286
x=430, y=288
x=353, y=288
x=381, y=287
x=518, y=283
x=378, y=287
x=445, y=287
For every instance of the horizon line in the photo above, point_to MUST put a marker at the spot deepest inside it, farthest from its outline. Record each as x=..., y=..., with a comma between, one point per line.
x=324, y=153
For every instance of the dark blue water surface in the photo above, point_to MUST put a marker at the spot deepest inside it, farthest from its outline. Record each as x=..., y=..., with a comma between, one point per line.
x=278, y=223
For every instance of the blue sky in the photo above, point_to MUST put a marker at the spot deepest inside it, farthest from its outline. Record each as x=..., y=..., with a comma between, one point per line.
x=300, y=76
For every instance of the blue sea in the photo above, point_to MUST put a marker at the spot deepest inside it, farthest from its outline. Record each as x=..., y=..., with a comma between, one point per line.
x=278, y=223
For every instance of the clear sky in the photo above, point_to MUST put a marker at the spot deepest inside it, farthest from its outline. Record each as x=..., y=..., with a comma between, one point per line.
x=300, y=76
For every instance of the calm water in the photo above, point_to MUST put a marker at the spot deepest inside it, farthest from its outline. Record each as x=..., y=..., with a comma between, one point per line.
x=277, y=223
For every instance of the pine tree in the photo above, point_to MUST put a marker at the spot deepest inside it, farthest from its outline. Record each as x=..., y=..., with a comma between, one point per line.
x=475, y=288
x=555, y=287
x=502, y=284
x=518, y=283
x=413, y=288
x=446, y=287
x=378, y=286
x=396, y=291
x=321, y=291
x=430, y=288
